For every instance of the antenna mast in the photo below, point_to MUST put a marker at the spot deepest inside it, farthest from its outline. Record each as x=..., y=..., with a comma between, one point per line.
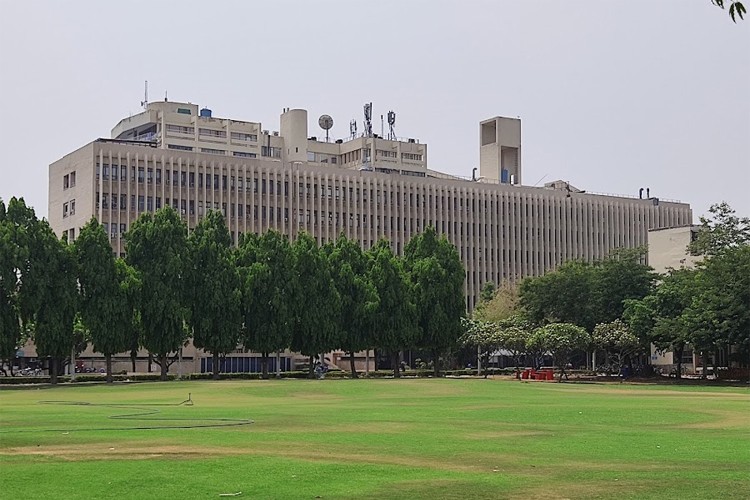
x=144, y=102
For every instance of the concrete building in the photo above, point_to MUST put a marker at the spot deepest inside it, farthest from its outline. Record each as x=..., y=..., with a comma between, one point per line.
x=365, y=186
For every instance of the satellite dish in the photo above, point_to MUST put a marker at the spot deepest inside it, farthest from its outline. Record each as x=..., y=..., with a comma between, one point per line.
x=325, y=122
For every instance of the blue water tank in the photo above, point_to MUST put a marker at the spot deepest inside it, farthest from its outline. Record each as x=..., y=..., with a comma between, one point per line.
x=206, y=113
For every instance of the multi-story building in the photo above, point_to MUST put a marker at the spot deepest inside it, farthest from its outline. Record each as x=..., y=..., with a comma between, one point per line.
x=366, y=187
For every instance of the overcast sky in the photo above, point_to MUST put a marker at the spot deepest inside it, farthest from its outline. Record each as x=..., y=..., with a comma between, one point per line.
x=614, y=95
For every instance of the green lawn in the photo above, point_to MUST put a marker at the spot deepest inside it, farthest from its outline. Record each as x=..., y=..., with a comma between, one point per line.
x=446, y=438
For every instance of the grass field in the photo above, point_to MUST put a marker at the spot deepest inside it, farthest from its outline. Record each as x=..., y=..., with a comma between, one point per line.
x=424, y=438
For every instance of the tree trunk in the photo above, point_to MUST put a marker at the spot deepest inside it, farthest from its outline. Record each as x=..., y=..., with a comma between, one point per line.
x=704, y=373
x=486, y=363
x=53, y=370
x=133, y=356
x=108, y=361
x=311, y=368
x=678, y=353
x=150, y=361
x=216, y=367
x=436, y=362
x=164, y=366
x=396, y=367
x=264, y=366
x=352, y=366
x=716, y=364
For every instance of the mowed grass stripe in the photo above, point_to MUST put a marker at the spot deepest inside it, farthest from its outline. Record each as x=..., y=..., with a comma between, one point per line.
x=443, y=438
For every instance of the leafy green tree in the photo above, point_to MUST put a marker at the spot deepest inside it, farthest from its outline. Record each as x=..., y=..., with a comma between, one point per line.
x=437, y=276
x=660, y=317
x=513, y=336
x=317, y=302
x=488, y=292
x=618, y=342
x=268, y=285
x=348, y=266
x=503, y=304
x=587, y=294
x=51, y=282
x=719, y=313
x=393, y=324
x=721, y=231
x=157, y=249
x=106, y=310
x=562, y=295
x=561, y=340
x=213, y=288
x=10, y=321
x=481, y=335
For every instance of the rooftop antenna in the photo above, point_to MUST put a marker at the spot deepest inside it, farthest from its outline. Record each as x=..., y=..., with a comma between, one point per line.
x=353, y=129
x=368, y=119
x=392, y=125
x=144, y=102
x=382, y=129
x=165, y=96
x=325, y=122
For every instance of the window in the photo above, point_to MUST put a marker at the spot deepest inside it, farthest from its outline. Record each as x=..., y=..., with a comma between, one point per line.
x=123, y=202
x=184, y=111
x=241, y=154
x=140, y=203
x=179, y=147
x=158, y=202
x=179, y=129
x=270, y=151
x=105, y=171
x=150, y=203
x=212, y=133
x=385, y=154
x=150, y=175
x=191, y=178
x=65, y=210
x=310, y=156
x=241, y=136
x=73, y=182
x=158, y=176
x=140, y=175
x=123, y=173
x=213, y=151
x=411, y=156
x=123, y=228
x=66, y=182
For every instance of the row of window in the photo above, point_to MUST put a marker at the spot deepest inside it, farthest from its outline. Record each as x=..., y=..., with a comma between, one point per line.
x=69, y=180
x=69, y=208
x=411, y=156
x=207, y=132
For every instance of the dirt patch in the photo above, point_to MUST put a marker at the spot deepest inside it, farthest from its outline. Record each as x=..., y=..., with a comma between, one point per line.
x=722, y=419
x=125, y=452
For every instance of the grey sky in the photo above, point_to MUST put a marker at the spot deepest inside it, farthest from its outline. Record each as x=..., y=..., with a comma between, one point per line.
x=614, y=95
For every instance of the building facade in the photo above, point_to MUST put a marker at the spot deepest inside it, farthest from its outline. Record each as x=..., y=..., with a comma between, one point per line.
x=366, y=187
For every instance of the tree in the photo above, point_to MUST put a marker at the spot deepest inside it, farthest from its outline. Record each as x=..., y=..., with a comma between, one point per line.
x=560, y=340
x=502, y=304
x=393, y=324
x=213, y=289
x=721, y=231
x=317, y=302
x=736, y=8
x=157, y=249
x=587, y=294
x=348, y=266
x=482, y=336
x=10, y=264
x=437, y=276
x=618, y=342
x=268, y=287
x=106, y=310
x=513, y=336
x=50, y=287
x=660, y=317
